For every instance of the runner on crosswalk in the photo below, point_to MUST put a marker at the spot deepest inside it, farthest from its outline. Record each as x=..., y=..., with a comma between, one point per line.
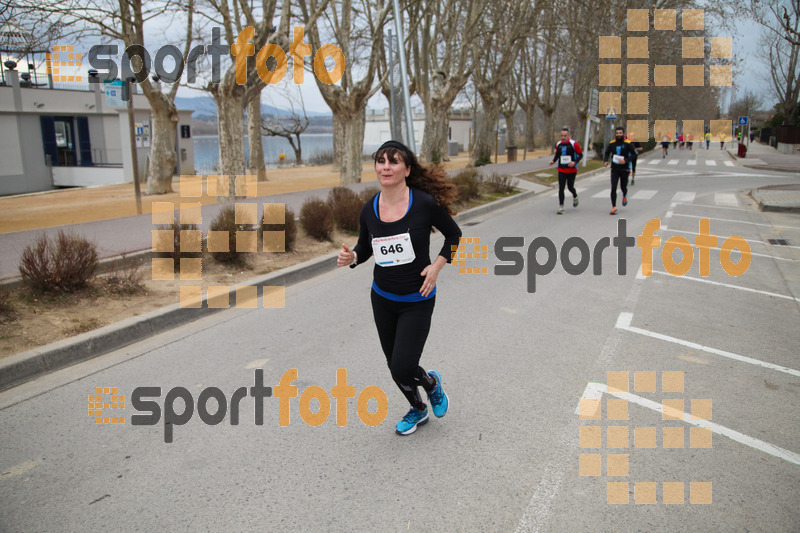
x=568, y=153
x=620, y=152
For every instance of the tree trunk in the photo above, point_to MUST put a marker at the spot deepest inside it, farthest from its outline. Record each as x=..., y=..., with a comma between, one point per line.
x=530, y=127
x=354, y=125
x=254, y=139
x=549, y=133
x=485, y=139
x=230, y=111
x=162, y=148
x=511, y=134
x=338, y=140
x=434, y=137
x=298, y=150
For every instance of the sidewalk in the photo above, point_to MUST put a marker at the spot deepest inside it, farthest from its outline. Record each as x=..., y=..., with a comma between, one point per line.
x=764, y=157
x=103, y=213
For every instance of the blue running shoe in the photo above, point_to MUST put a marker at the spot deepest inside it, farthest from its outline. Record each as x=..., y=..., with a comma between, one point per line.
x=409, y=423
x=437, y=396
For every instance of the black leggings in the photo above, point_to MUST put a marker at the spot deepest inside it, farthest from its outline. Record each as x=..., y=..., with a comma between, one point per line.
x=403, y=329
x=620, y=176
x=568, y=179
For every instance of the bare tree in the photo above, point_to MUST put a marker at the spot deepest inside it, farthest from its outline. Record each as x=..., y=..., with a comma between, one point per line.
x=494, y=51
x=442, y=62
x=247, y=24
x=356, y=28
x=289, y=127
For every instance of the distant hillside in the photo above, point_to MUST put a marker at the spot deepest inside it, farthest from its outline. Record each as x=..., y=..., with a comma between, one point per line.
x=205, y=109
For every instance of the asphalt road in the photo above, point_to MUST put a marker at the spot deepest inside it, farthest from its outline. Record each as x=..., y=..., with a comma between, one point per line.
x=507, y=457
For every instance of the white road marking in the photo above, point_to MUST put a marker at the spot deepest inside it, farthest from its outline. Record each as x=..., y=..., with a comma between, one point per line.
x=596, y=390
x=729, y=163
x=711, y=163
x=719, y=207
x=740, y=222
x=624, y=324
x=654, y=162
x=664, y=228
x=728, y=285
x=726, y=198
x=258, y=363
x=683, y=196
x=673, y=162
x=643, y=194
x=692, y=162
x=605, y=193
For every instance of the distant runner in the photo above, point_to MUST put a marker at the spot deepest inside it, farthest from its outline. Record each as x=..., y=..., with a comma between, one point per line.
x=621, y=152
x=568, y=154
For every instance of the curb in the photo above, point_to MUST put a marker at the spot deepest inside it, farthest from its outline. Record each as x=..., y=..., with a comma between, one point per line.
x=770, y=208
x=771, y=169
x=26, y=366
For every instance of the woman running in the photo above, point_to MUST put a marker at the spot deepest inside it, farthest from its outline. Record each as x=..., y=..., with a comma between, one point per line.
x=395, y=227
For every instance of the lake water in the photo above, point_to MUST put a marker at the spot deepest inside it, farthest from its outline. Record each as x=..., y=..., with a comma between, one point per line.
x=206, y=150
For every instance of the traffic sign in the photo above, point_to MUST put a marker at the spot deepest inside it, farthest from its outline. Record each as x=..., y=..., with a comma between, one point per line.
x=113, y=91
x=743, y=121
x=611, y=113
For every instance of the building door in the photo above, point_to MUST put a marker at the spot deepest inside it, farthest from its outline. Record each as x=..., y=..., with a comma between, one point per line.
x=65, y=141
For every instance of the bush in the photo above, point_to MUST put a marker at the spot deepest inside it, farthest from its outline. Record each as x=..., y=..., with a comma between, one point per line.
x=367, y=194
x=289, y=228
x=468, y=183
x=500, y=184
x=483, y=159
x=226, y=221
x=175, y=254
x=126, y=280
x=66, y=265
x=7, y=309
x=346, y=206
x=316, y=217
x=321, y=158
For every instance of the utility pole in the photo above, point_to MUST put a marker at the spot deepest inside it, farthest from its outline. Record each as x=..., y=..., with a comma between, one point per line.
x=398, y=22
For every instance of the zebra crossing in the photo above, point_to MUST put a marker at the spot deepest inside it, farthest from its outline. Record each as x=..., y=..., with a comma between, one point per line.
x=722, y=199
x=689, y=162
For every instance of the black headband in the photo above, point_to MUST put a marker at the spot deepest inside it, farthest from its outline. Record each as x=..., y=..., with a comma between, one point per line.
x=395, y=144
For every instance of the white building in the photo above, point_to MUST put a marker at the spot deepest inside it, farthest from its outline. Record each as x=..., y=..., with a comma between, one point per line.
x=72, y=137
x=378, y=129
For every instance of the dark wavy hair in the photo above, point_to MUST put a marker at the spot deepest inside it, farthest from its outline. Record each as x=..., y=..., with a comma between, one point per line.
x=432, y=179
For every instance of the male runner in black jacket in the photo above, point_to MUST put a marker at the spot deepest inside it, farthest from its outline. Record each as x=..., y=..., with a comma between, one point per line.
x=621, y=153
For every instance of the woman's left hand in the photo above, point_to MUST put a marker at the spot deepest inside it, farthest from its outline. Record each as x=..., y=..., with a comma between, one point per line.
x=431, y=273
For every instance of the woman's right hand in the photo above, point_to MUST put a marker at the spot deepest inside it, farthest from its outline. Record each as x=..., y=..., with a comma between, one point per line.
x=346, y=256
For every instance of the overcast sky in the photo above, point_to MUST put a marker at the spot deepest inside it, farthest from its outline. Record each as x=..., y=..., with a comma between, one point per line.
x=752, y=75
